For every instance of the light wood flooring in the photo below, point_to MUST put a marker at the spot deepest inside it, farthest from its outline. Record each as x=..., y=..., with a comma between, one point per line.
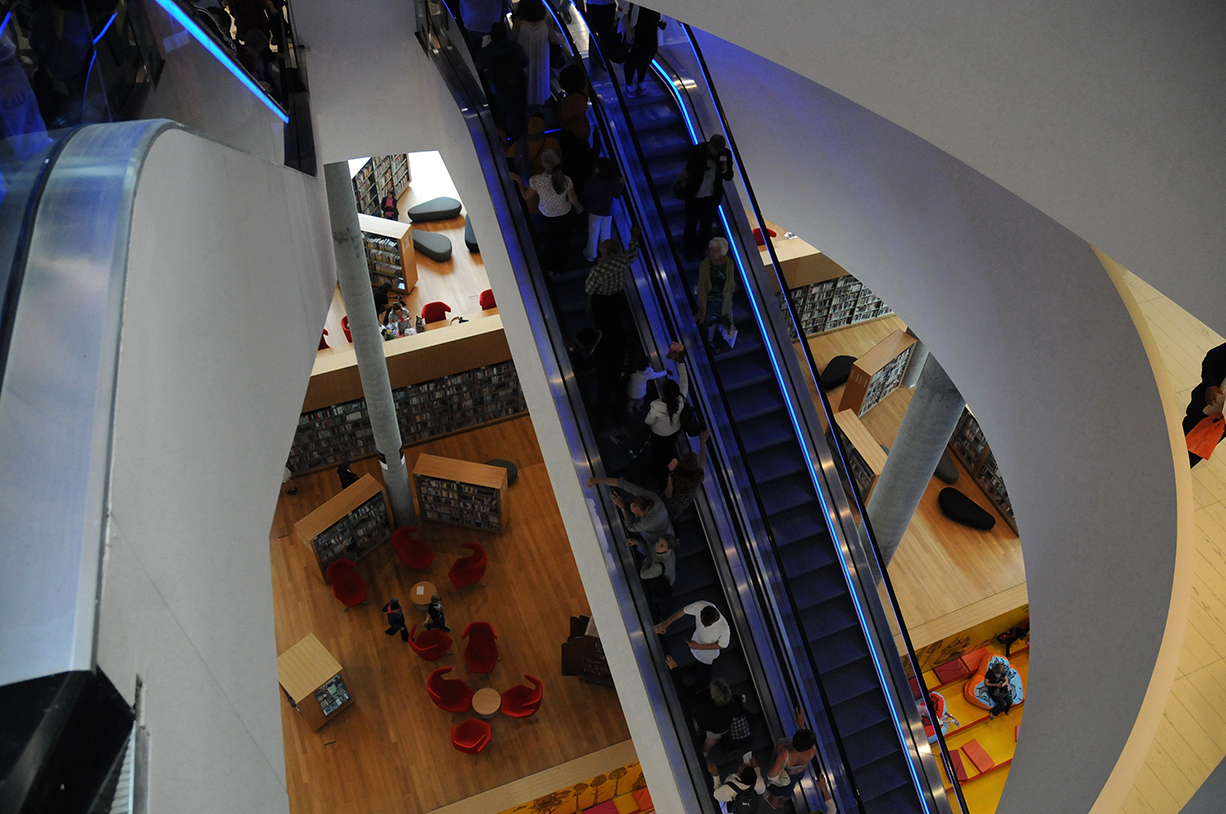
x=391, y=752
x=457, y=282
x=947, y=577
x=1191, y=739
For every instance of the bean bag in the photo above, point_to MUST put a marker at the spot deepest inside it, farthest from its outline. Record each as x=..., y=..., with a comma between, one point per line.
x=432, y=245
x=434, y=209
x=961, y=509
x=836, y=372
x=946, y=470
x=976, y=693
x=470, y=237
x=941, y=707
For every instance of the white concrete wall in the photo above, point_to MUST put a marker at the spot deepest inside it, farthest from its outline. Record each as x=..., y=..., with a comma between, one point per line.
x=373, y=91
x=1105, y=116
x=1028, y=324
x=229, y=277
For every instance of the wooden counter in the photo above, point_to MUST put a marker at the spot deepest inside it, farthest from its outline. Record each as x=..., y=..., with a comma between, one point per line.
x=412, y=359
x=308, y=668
x=800, y=262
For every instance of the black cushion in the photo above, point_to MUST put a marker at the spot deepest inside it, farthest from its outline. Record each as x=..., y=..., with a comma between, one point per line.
x=836, y=372
x=470, y=237
x=961, y=509
x=947, y=471
x=512, y=469
x=432, y=244
x=435, y=209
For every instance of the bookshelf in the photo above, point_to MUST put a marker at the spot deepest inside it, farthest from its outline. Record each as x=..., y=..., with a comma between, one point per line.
x=313, y=682
x=877, y=373
x=351, y=524
x=390, y=256
x=375, y=177
x=865, y=457
x=969, y=445
x=461, y=493
x=425, y=410
x=830, y=304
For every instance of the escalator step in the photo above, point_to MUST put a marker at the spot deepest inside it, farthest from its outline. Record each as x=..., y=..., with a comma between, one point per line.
x=899, y=800
x=796, y=524
x=829, y=617
x=816, y=586
x=877, y=780
x=663, y=144
x=786, y=494
x=695, y=574
x=763, y=432
x=743, y=372
x=839, y=648
x=867, y=747
x=758, y=401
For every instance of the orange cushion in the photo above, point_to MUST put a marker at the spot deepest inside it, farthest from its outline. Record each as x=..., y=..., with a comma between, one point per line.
x=643, y=798
x=951, y=671
x=982, y=760
x=1017, y=730
x=973, y=659
x=955, y=757
x=626, y=804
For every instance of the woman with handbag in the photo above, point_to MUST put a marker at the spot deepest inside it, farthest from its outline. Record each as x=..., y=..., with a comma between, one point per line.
x=714, y=711
x=664, y=421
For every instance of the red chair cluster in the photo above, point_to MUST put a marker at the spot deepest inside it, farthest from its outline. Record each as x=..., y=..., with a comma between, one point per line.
x=431, y=645
x=522, y=701
x=414, y=553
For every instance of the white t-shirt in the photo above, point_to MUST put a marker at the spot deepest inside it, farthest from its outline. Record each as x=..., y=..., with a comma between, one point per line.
x=553, y=204
x=718, y=632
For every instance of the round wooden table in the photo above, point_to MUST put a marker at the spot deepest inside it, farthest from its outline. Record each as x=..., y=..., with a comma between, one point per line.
x=487, y=702
x=420, y=594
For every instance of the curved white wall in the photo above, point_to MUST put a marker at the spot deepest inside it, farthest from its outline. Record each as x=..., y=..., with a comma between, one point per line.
x=1106, y=116
x=1027, y=322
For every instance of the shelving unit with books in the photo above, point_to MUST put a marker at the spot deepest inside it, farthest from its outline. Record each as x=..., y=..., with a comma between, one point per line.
x=375, y=177
x=313, y=682
x=865, y=457
x=351, y=524
x=461, y=493
x=837, y=303
x=878, y=373
x=969, y=445
x=390, y=256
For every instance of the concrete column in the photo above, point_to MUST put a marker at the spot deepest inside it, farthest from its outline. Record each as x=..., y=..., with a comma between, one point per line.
x=918, y=356
x=930, y=420
x=354, y=279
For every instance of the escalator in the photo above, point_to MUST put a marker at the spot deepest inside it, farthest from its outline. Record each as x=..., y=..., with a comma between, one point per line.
x=819, y=627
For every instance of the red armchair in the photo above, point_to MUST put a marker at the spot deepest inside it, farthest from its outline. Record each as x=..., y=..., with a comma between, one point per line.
x=487, y=300
x=347, y=584
x=345, y=328
x=412, y=552
x=449, y=694
x=323, y=340
x=435, y=311
x=522, y=701
x=431, y=645
x=481, y=654
x=471, y=736
x=470, y=569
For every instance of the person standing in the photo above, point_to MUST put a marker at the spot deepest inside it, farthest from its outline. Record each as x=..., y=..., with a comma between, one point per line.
x=686, y=479
x=711, y=635
x=664, y=421
x=556, y=199
x=598, y=193
x=438, y=619
x=645, y=515
x=479, y=16
x=395, y=619
x=346, y=475
x=738, y=793
x=643, y=36
x=602, y=17
x=708, y=167
x=605, y=284
x=716, y=287
x=533, y=33
x=792, y=757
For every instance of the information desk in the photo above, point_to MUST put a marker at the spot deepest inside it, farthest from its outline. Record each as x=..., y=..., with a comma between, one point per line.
x=352, y=524
x=313, y=682
x=800, y=263
x=462, y=493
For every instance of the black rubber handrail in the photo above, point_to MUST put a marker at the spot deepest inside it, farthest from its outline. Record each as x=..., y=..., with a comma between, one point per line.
x=841, y=462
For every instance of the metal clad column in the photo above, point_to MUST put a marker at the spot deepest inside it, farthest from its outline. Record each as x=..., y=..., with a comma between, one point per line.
x=930, y=420
x=354, y=279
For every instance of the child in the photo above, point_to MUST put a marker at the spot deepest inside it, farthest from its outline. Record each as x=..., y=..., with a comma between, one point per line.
x=636, y=390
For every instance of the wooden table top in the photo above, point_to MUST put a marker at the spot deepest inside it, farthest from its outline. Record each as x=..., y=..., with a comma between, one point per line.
x=486, y=701
x=421, y=593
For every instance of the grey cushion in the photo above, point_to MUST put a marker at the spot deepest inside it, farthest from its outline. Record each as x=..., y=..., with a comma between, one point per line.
x=512, y=469
x=432, y=245
x=470, y=237
x=836, y=372
x=961, y=509
x=947, y=471
x=435, y=209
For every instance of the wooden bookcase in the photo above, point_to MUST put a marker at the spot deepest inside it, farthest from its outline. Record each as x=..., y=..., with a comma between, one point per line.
x=352, y=524
x=390, y=256
x=461, y=493
x=877, y=373
x=969, y=445
x=865, y=457
x=375, y=177
x=313, y=681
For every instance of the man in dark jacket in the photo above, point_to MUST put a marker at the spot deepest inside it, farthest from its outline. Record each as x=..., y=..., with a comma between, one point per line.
x=395, y=620
x=709, y=166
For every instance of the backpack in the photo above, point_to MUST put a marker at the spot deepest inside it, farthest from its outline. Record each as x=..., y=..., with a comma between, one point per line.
x=745, y=802
x=691, y=422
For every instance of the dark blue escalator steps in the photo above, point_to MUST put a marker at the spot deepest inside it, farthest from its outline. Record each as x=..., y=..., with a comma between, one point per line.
x=663, y=171
x=878, y=779
x=794, y=524
x=839, y=648
x=766, y=431
x=817, y=586
x=786, y=494
x=697, y=573
x=758, y=401
x=826, y=618
x=869, y=746
x=850, y=680
x=738, y=372
x=662, y=143
x=649, y=115
x=810, y=553
x=896, y=801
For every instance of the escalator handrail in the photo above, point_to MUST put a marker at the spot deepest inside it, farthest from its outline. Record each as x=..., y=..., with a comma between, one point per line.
x=841, y=462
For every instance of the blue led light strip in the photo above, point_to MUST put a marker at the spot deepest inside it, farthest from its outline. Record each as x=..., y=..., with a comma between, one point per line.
x=5, y=24
x=189, y=25
x=770, y=348
x=105, y=28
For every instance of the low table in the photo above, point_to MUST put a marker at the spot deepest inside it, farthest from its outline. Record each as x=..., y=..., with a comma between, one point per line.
x=420, y=594
x=487, y=702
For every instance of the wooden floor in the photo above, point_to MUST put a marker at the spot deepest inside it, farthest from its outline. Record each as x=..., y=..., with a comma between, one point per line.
x=457, y=282
x=1191, y=739
x=391, y=752
x=947, y=577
